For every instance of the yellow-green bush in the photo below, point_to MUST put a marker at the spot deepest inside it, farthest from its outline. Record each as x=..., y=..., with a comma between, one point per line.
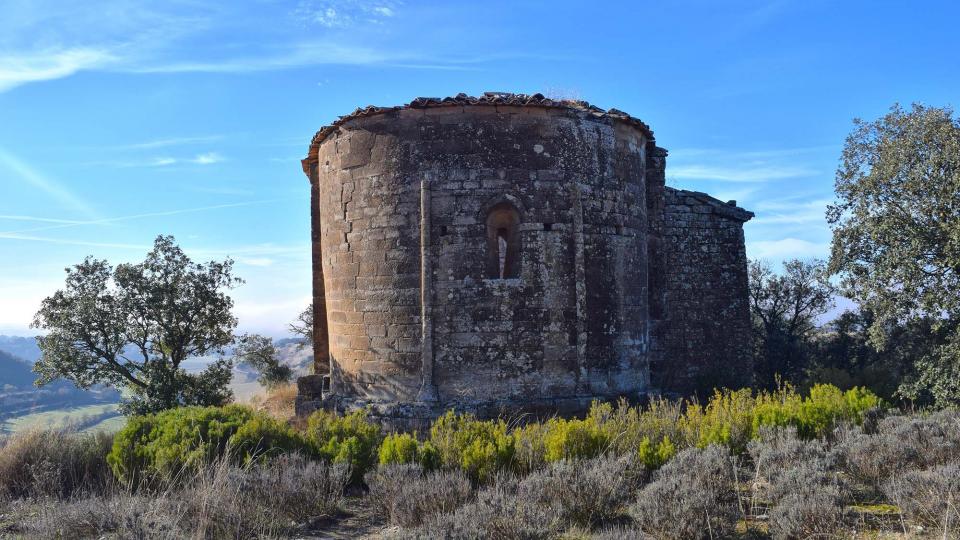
x=351, y=439
x=817, y=414
x=575, y=439
x=530, y=449
x=405, y=448
x=655, y=455
x=727, y=420
x=479, y=447
x=164, y=444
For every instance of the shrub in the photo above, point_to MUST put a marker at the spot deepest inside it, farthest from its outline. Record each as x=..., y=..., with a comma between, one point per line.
x=296, y=487
x=478, y=447
x=783, y=461
x=621, y=533
x=262, y=437
x=817, y=415
x=351, y=439
x=409, y=497
x=900, y=443
x=930, y=497
x=178, y=442
x=386, y=483
x=726, y=420
x=815, y=513
x=399, y=448
x=653, y=456
x=225, y=501
x=506, y=509
x=48, y=463
x=530, y=448
x=692, y=496
x=164, y=444
x=122, y=515
x=587, y=492
x=626, y=427
x=220, y=500
x=574, y=438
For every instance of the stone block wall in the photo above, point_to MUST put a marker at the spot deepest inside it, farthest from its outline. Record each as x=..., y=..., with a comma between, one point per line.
x=702, y=337
x=510, y=253
x=411, y=308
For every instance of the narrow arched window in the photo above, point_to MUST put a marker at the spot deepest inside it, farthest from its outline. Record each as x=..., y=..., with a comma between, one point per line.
x=503, y=242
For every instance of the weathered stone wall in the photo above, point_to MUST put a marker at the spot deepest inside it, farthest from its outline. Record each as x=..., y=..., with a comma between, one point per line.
x=702, y=337
x=510, y=252
x=570, y=326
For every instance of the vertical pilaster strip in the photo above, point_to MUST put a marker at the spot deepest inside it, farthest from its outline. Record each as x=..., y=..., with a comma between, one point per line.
x=580, y=275
x=428, y=390
x=321, y=337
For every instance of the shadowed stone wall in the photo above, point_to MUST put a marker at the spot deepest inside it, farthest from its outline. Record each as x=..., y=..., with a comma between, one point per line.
x=703, y=335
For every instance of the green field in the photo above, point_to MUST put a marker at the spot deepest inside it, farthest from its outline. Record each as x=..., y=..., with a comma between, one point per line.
x=101, y=416
x=85, y=418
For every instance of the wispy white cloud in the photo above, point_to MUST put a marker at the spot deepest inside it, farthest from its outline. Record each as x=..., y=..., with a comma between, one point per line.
x=38, y=219
x=165, y=38
x=787, y=248
x=749, y=155
x=172, y=141
x=746, y=173
x=252, y=250
x=344, y=13
x=256, y=261
x=105, y=221
x=207, y=158
x=222, y=190
x=747, y=166
x=791, y=211
x=17, y=69
x=309, y=53
x=26, y=173
x=68, y=242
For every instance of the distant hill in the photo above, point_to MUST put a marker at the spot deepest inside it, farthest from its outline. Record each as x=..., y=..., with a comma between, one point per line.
x=14, y=372
x=19, y=396
x=24, y=348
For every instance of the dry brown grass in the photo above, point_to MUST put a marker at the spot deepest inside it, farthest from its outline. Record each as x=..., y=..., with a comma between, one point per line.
x=222, y=501
x=54, y=463
x=277, y=402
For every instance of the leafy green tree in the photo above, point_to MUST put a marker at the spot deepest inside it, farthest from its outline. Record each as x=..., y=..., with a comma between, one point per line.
x=784, y=309
x=896, y=235
x=260, y=353
x=133, y=326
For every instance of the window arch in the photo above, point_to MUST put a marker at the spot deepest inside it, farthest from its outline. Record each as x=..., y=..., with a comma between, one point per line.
x=503, y=241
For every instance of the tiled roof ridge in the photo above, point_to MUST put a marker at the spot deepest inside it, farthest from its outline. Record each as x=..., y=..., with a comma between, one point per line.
x=488, y=98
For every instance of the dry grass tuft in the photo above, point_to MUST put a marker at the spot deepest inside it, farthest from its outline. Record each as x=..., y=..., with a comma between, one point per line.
x=51, y=463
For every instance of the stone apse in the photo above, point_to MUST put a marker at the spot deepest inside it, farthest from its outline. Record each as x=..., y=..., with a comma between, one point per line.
x=511, y=253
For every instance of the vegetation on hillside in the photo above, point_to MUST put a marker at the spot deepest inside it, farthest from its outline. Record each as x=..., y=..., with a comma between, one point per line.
x=743, y=464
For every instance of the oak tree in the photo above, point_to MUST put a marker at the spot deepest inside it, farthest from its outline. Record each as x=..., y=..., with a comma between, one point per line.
x=134, y=326
x=896, y=234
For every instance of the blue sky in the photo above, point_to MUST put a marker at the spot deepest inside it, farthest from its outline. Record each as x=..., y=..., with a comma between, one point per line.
x=123, y=119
